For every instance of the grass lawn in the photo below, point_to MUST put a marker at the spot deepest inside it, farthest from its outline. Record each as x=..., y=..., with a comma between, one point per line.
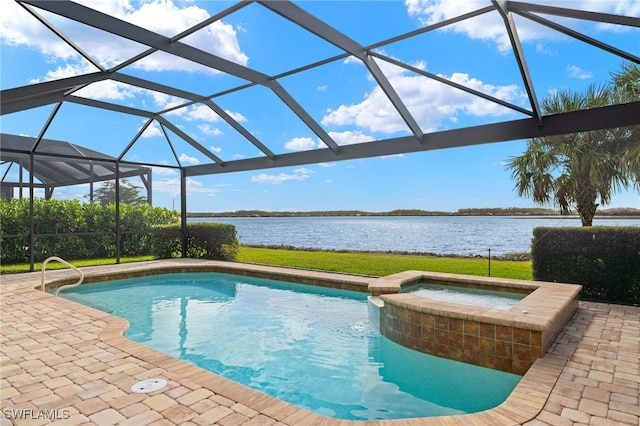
x=376, y=264
x=381, y=264
x=24, y=267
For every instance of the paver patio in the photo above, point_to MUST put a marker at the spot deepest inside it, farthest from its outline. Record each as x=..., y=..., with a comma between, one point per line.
x=63, y=363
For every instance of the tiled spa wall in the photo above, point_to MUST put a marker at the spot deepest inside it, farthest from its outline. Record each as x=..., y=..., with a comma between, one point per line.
x=501, y=347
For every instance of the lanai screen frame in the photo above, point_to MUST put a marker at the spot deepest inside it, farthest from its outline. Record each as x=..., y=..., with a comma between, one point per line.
x=60, y=91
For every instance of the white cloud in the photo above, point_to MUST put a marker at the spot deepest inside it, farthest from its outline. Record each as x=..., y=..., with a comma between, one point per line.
x=164, y=171
x=350, y=137
x=491, y=27
x=65, y=71
x=298, y=174
x=237, y=116
x=204, y=113
x=577, y=72
x=302, y=144
x=172, y=187
x=201, y=112
x=626, y=7
x=327, y=164
x=208, y=130
x=152, y=131
x=184, y=158
x=17, y=27
x=111, y=90
x=430, y=102
x=215, y=149
x=162, y=100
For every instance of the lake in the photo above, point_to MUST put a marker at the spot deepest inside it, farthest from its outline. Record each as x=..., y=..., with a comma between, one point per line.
x=457, y=235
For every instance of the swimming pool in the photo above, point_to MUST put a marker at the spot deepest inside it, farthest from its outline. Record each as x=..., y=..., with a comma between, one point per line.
x=311, y=346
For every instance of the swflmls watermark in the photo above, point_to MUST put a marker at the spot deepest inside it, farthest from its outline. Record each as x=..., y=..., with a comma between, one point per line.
x=36, y=413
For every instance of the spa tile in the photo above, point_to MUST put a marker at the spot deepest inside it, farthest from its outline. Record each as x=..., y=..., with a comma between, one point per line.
x=456, y=353
x=536, y=352
x=442, y=350
x=487, y=346
x=504, y=364
x=487, y=360
x=427, y=347
x=472, y=343
x=522, y=337
x=413, y=342
x=504, y=349
x=471, y=356
x=442, y=323
x=455, y=325
x=536, y=339
x=487, y=330
x=415, y=331
x=428, y=334
x=456, y=339
x=405, y=328
x=416, y=317
x=520, y=367
x=504, y=333
x=470, y=327
x=404, y=315
x=441, y=337
x=521, y=352
x=428, y=320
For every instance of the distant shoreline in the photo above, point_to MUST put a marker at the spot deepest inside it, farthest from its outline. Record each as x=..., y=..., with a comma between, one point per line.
x=619, y=213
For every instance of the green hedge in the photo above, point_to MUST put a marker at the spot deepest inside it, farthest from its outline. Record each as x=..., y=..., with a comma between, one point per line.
x=604, y=260
x=92, y=224
x=145, y=230
x=204, y=240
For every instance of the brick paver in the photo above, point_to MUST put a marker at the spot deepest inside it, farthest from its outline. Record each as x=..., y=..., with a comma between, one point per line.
x=62, y=363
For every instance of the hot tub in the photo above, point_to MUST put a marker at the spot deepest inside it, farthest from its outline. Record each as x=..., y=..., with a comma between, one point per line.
x=505, y=339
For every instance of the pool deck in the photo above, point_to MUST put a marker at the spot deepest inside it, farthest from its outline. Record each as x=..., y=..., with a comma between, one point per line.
x=64, y=363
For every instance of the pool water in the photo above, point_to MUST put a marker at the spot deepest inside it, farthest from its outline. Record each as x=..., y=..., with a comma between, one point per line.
x=311, y=346
x=467, y=296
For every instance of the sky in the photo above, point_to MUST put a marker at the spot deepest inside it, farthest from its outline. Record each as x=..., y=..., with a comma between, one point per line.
x=341, y=95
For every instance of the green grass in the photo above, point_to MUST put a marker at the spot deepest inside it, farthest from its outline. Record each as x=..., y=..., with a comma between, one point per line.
x=24, y=267
x=381, y=264
x=376, y=264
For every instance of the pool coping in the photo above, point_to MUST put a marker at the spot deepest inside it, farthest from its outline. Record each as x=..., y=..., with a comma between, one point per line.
x=524, y=404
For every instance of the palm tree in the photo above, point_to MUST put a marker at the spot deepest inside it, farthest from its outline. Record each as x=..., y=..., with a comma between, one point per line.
x=582, y=169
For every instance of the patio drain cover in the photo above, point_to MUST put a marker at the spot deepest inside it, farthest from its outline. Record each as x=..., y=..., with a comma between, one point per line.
x=149, y=385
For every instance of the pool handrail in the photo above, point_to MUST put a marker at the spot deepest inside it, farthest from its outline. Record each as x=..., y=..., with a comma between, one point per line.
x=58, y=259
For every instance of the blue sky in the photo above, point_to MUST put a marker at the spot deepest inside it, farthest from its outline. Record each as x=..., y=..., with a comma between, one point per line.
x=340, y=95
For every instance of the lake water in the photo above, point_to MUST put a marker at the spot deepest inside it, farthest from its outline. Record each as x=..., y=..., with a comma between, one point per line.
x=458, y=235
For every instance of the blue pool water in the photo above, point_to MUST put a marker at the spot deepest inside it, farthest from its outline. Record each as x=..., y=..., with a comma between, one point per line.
x=311, y=346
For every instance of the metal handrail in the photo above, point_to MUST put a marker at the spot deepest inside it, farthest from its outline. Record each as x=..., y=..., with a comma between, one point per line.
x=56, y=258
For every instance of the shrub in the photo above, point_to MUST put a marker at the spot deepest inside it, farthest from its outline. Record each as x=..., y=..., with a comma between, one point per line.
x=166, y=241
x=204, y=240
x=604, y=260
x=212, y=241
x=91, y=227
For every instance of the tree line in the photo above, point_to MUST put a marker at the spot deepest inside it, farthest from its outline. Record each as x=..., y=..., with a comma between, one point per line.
x=481, y=211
